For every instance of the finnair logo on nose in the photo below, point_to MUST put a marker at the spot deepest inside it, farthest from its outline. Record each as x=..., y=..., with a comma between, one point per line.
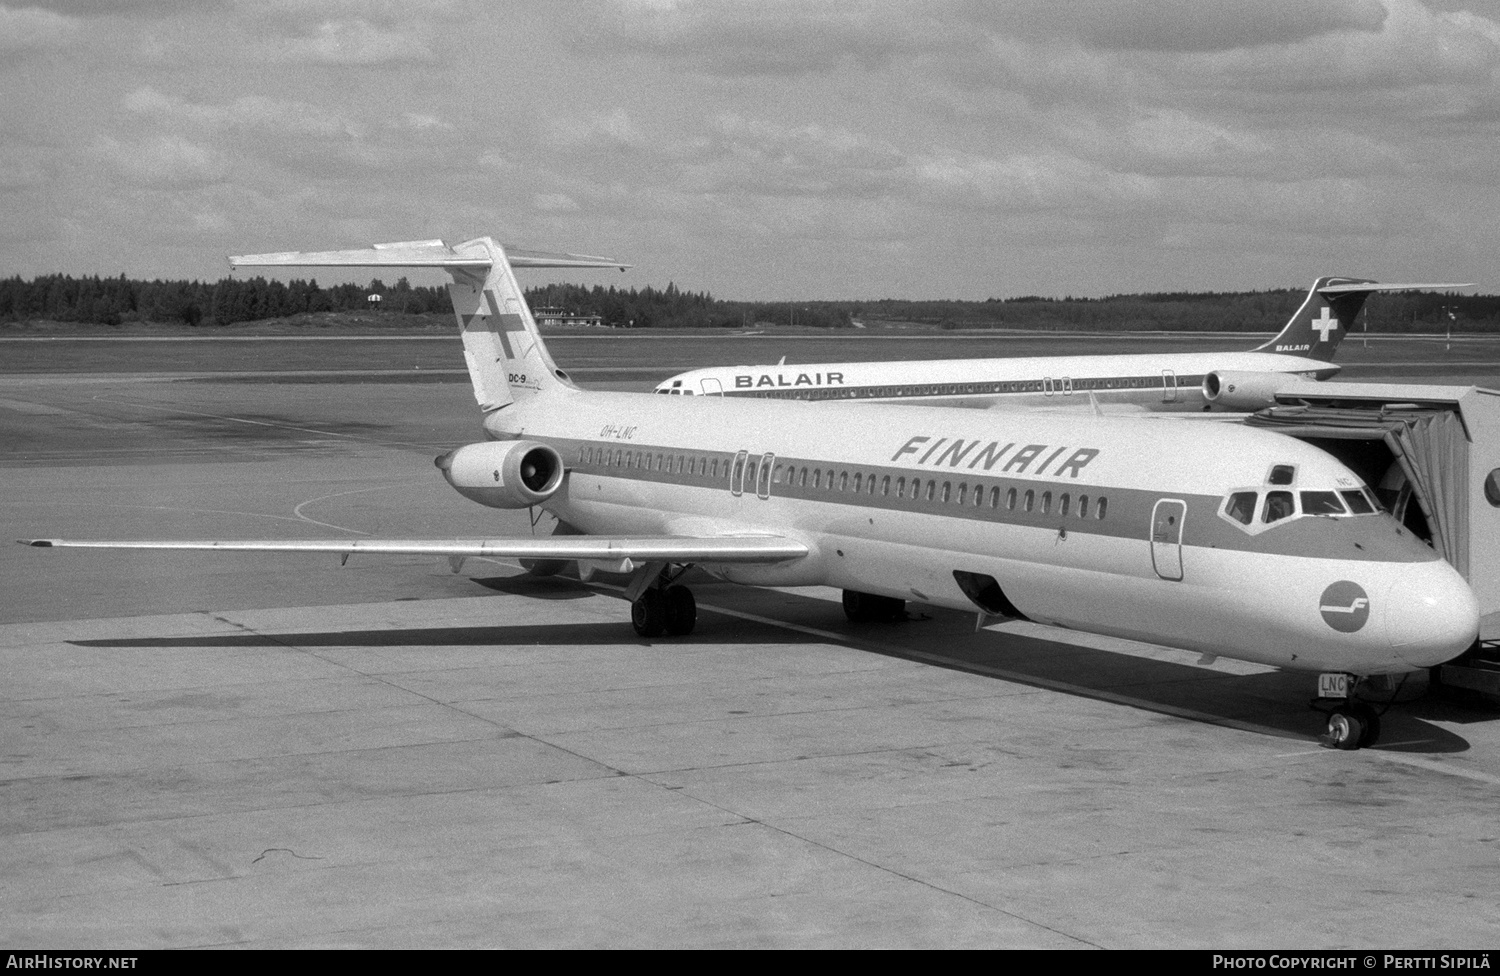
x=1345, y=606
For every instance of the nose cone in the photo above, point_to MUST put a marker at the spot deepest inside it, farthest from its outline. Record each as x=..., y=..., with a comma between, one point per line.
x=444, y=462
x=1432, y=615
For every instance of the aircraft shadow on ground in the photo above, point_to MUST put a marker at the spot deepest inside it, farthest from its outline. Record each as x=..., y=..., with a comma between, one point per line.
x=1274, y=701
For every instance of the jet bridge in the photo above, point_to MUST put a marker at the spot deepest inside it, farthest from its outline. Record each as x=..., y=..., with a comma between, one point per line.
x=1432, y=454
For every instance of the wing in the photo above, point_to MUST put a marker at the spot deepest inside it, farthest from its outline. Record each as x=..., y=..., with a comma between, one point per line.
x=672, y=549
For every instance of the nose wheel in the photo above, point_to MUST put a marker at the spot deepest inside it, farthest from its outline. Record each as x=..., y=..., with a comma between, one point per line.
x=1352, y=724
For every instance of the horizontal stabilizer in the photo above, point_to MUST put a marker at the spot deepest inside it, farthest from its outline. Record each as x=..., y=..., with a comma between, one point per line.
x=1372, y=286
x=674, y=549
x=420, y=254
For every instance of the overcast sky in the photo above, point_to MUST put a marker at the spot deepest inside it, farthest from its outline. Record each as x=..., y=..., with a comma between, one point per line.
x=766, y=149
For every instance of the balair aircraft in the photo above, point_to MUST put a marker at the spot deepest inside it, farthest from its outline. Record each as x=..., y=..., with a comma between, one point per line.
x=1223, y=540
x=1216, y=381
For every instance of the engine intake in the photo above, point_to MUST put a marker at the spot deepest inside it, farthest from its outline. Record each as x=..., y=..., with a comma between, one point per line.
x=1234, y=390
x=503, y=474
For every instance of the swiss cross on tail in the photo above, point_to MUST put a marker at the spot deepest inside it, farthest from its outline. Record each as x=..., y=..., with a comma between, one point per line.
x=1328, y=313
x=1324, y=324
x=509, y=328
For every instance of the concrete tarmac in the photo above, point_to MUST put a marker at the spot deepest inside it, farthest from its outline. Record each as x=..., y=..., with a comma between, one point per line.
x=212, y=749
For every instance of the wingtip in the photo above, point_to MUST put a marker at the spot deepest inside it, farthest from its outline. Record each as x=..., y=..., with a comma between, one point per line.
x=39, y=543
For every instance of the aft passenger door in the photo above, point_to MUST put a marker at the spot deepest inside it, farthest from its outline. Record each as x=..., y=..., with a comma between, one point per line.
x=1166, y=538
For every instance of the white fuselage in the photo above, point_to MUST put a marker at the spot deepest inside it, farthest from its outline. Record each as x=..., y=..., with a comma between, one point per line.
x=1167, y=381
x=1104, y=524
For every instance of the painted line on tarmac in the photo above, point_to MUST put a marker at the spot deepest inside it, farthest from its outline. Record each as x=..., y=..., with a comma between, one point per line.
x=339, y=494
x=1434, y=765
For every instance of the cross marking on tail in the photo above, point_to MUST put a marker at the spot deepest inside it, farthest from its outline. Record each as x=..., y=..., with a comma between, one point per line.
x=1324, y=324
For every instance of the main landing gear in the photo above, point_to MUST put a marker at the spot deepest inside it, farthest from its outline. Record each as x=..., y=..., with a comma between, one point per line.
x=863, y=608
x=664, y=610
x=659, y=606
x=1352, y=724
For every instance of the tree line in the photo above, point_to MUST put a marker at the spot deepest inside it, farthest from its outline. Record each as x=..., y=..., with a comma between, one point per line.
x=115, y=301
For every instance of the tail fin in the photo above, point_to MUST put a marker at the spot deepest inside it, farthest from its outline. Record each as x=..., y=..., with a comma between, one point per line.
x=1328, y=312
x=502, y=346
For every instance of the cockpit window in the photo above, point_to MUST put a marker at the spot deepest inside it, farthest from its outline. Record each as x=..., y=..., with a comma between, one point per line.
x=1322, y=503
x=1241, y=507
x=1279, y=505
x=1282, y=474
x=1357, y=502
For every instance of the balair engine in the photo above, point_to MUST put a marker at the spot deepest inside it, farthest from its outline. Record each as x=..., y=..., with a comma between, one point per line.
x=503, y=474
x=1232, y=390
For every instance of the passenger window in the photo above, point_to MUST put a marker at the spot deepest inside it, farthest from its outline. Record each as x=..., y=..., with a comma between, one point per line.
x=931, y=489
x=1062, y=504
x=1046, y=502
x=994, y=497
x=1322, y=503
x=1010, y=500
x=1279, y=505
x=963, y=494
x=843, y=481
x=857, y=481
x=1100, y=508
x=1029, y=500
x=885, y=485
x=900, y=487
x=1241, y=507
x=817, y=478
x=947, y=491
x=1083, y=506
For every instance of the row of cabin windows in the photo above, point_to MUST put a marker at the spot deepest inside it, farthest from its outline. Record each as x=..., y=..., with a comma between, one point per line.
x=619, y=457
x=950, y=389
x=918, y=489
x=859, y=482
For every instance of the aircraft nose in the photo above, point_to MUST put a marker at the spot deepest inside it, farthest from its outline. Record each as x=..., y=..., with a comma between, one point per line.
x=1433, y=616
x=444, y=462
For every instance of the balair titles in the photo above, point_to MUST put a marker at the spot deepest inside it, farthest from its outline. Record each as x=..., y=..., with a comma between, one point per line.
x=1018, y=459
x=747, y=381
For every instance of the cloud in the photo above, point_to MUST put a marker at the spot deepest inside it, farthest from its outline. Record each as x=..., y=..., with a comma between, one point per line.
x=1177, y=25
x=612, y=130
x=33, y=29
x=554, y=202
x=350, y=42
x=781, y=37
x=164, y=161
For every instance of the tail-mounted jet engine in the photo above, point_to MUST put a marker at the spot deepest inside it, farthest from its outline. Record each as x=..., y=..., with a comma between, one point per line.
x=1231, y=390
x=503, y=474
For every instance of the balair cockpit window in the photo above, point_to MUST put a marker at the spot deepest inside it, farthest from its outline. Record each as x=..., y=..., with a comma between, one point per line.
x=1241, y=507
x=1322, y=503
x=1282, y=474
x=1279, y=505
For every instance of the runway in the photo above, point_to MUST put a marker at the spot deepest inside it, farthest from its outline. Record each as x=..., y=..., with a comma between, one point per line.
x=268, y=751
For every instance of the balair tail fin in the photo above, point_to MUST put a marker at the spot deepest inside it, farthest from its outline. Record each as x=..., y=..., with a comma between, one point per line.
x=1328, y=312
x=502, y=346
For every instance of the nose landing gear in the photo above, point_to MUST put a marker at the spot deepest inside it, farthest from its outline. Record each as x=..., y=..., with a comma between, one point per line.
x=1352, y=724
